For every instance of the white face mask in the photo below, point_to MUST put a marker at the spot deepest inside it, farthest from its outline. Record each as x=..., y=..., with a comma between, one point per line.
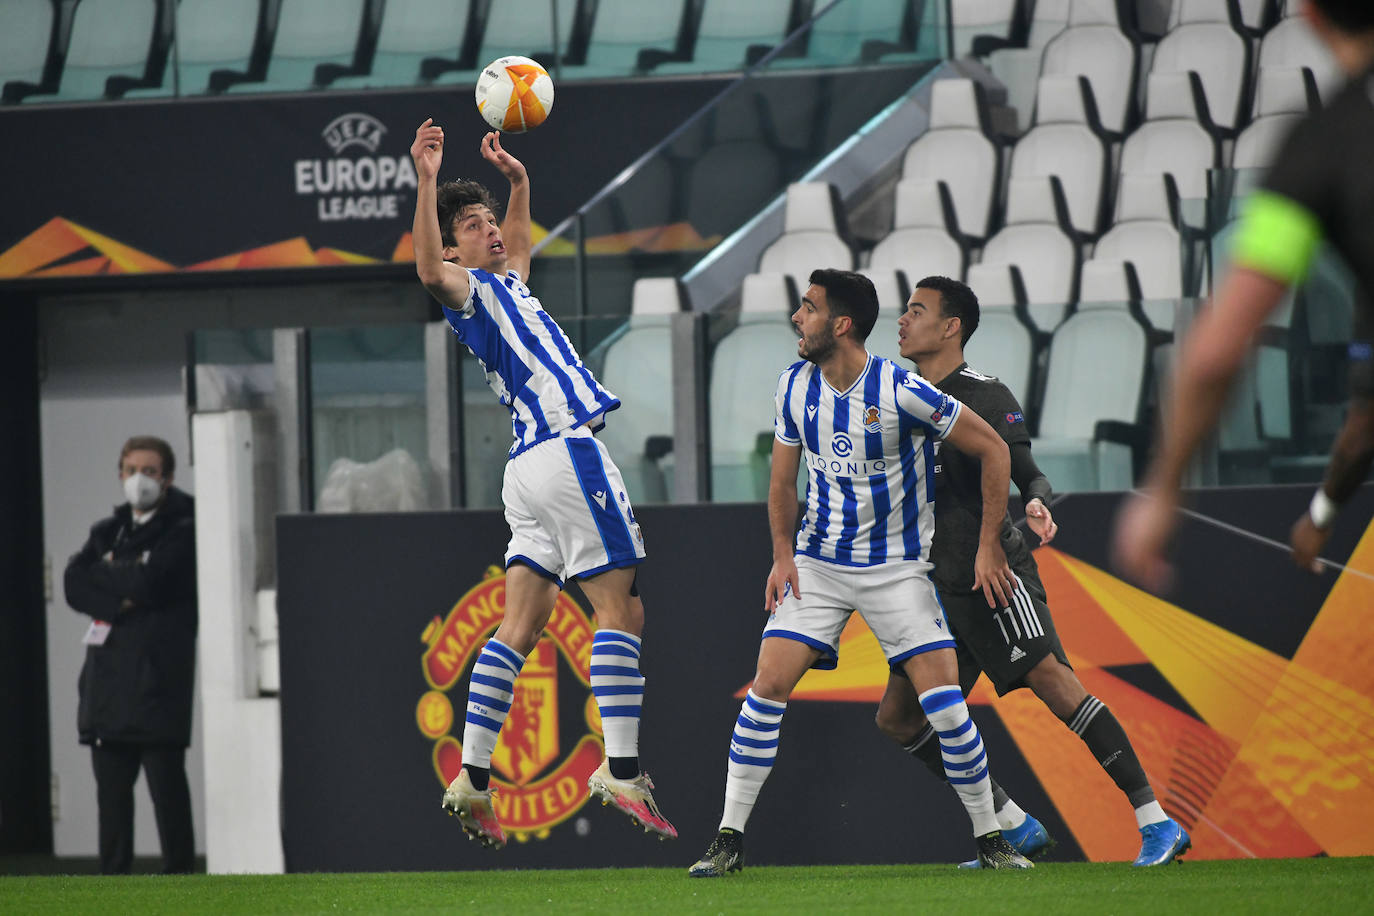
x=142, y=491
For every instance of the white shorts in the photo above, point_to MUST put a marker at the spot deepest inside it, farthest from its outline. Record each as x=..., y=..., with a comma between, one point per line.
x=897, y=601
x=567, y=509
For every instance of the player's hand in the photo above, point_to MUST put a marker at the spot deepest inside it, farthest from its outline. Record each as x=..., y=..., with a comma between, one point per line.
x=1041, y=521
x=1143, y=529
x=428, y=150
x=781, y=578
x=1307, y=541
x=512, y=168
x=992, y=574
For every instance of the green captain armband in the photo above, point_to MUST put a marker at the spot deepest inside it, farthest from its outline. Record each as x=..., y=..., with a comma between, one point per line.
x=1276, y=237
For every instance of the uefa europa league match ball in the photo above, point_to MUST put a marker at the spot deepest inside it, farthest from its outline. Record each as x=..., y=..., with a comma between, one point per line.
x=514, y=94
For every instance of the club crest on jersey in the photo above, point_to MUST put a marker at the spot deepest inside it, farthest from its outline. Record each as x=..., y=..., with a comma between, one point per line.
x=1015, y=417
x=842, y=445
x=872, y=422
x=540, y=769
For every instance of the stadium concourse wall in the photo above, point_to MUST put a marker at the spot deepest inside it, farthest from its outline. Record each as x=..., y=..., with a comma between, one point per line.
x=1246, y=690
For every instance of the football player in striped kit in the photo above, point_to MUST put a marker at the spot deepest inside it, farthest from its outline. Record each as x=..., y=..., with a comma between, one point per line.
x=564, y=498
x=866, y=429
x=1014, y=643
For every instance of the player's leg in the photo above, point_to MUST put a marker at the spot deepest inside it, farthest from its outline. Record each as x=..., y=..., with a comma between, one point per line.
x=754, y=748
x=902, y=609
x=901, y=718
x=1162, y=838
x=530, y=597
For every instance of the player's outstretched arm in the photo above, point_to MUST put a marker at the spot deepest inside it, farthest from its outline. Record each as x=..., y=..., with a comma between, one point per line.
x=516, y=227
x=1211, y=358
x=782, y=523
x=972, y=434
x=446, y=282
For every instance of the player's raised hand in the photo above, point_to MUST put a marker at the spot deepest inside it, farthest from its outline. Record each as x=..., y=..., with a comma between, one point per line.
x=782, y=578
x=993, y=576
x=428, y=150
x=1041, y=521
x=512, y=168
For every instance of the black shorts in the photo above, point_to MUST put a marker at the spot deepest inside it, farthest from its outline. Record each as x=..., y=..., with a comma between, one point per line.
x=1004, y=644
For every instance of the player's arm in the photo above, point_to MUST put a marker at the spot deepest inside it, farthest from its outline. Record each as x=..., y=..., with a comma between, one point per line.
x=1351, y=456
x=782, y=522
x=1035, y=490
x=515, y=228
x=446, y=282
x=972, y=434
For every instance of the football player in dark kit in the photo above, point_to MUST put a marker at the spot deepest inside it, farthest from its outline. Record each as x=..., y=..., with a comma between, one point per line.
x=1320, y=187
x=1016, y=645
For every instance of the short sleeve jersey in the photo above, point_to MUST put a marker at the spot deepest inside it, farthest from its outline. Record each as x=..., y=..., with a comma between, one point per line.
x=959, y=477
x=528, y=360
x=1321, y=185
x=869, y=453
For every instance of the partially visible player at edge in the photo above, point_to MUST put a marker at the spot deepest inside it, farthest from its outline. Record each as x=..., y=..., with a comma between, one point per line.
x=564, y=498
x=1017, y=646
x=1320, y=187
x=866, y=428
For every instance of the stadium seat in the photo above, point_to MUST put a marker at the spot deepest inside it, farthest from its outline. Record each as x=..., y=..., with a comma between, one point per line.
x=1065, y=144
x=996, y=22
x=24, y=43
x=1282, y=99
x=749, y=360
x=893, y=293
x=729, y=183
x=211, y=35
x=1172, y=140
x=527, y=30
x=1094, y=47
x=418, y=40
x=854, y=32
x=1002, y=345
x=1018, y=69
x=813, y=234
x=1292, y=43
x=630, y=35
x=111, y=41
x=921, y=243
x=1090, y=413
x=957, y=150
x=1221, y=58
x=1145, y=234
x=1035, y=242
x=637, y=366
x=731, y=35
x=309, y=34
x=1254, y=14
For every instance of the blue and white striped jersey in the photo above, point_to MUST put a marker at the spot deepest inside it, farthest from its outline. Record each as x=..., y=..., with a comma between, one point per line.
x=870, y=459
x=528, y=360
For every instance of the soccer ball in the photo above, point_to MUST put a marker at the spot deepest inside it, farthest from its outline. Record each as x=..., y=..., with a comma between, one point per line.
x=514, y=94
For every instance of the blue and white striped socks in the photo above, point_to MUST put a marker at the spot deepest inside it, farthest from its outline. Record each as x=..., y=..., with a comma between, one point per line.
x=619, y=690
x=489, y=696
x=753, y=749
x=961, y=747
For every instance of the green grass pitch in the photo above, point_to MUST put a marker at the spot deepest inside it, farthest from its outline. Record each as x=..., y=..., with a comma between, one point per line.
x=1284, y=886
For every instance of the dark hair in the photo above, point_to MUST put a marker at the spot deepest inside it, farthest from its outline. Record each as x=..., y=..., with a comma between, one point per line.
x=849, y=293
x=453, y=197
x=150, y=444
x=1348, y=15
x=956, y=301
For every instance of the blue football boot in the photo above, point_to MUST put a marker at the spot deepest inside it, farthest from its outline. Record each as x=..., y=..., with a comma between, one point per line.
x=1162, y=843
x=1030, y=839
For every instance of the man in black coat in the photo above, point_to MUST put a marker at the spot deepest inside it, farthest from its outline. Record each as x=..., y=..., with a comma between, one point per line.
x=136, y=578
